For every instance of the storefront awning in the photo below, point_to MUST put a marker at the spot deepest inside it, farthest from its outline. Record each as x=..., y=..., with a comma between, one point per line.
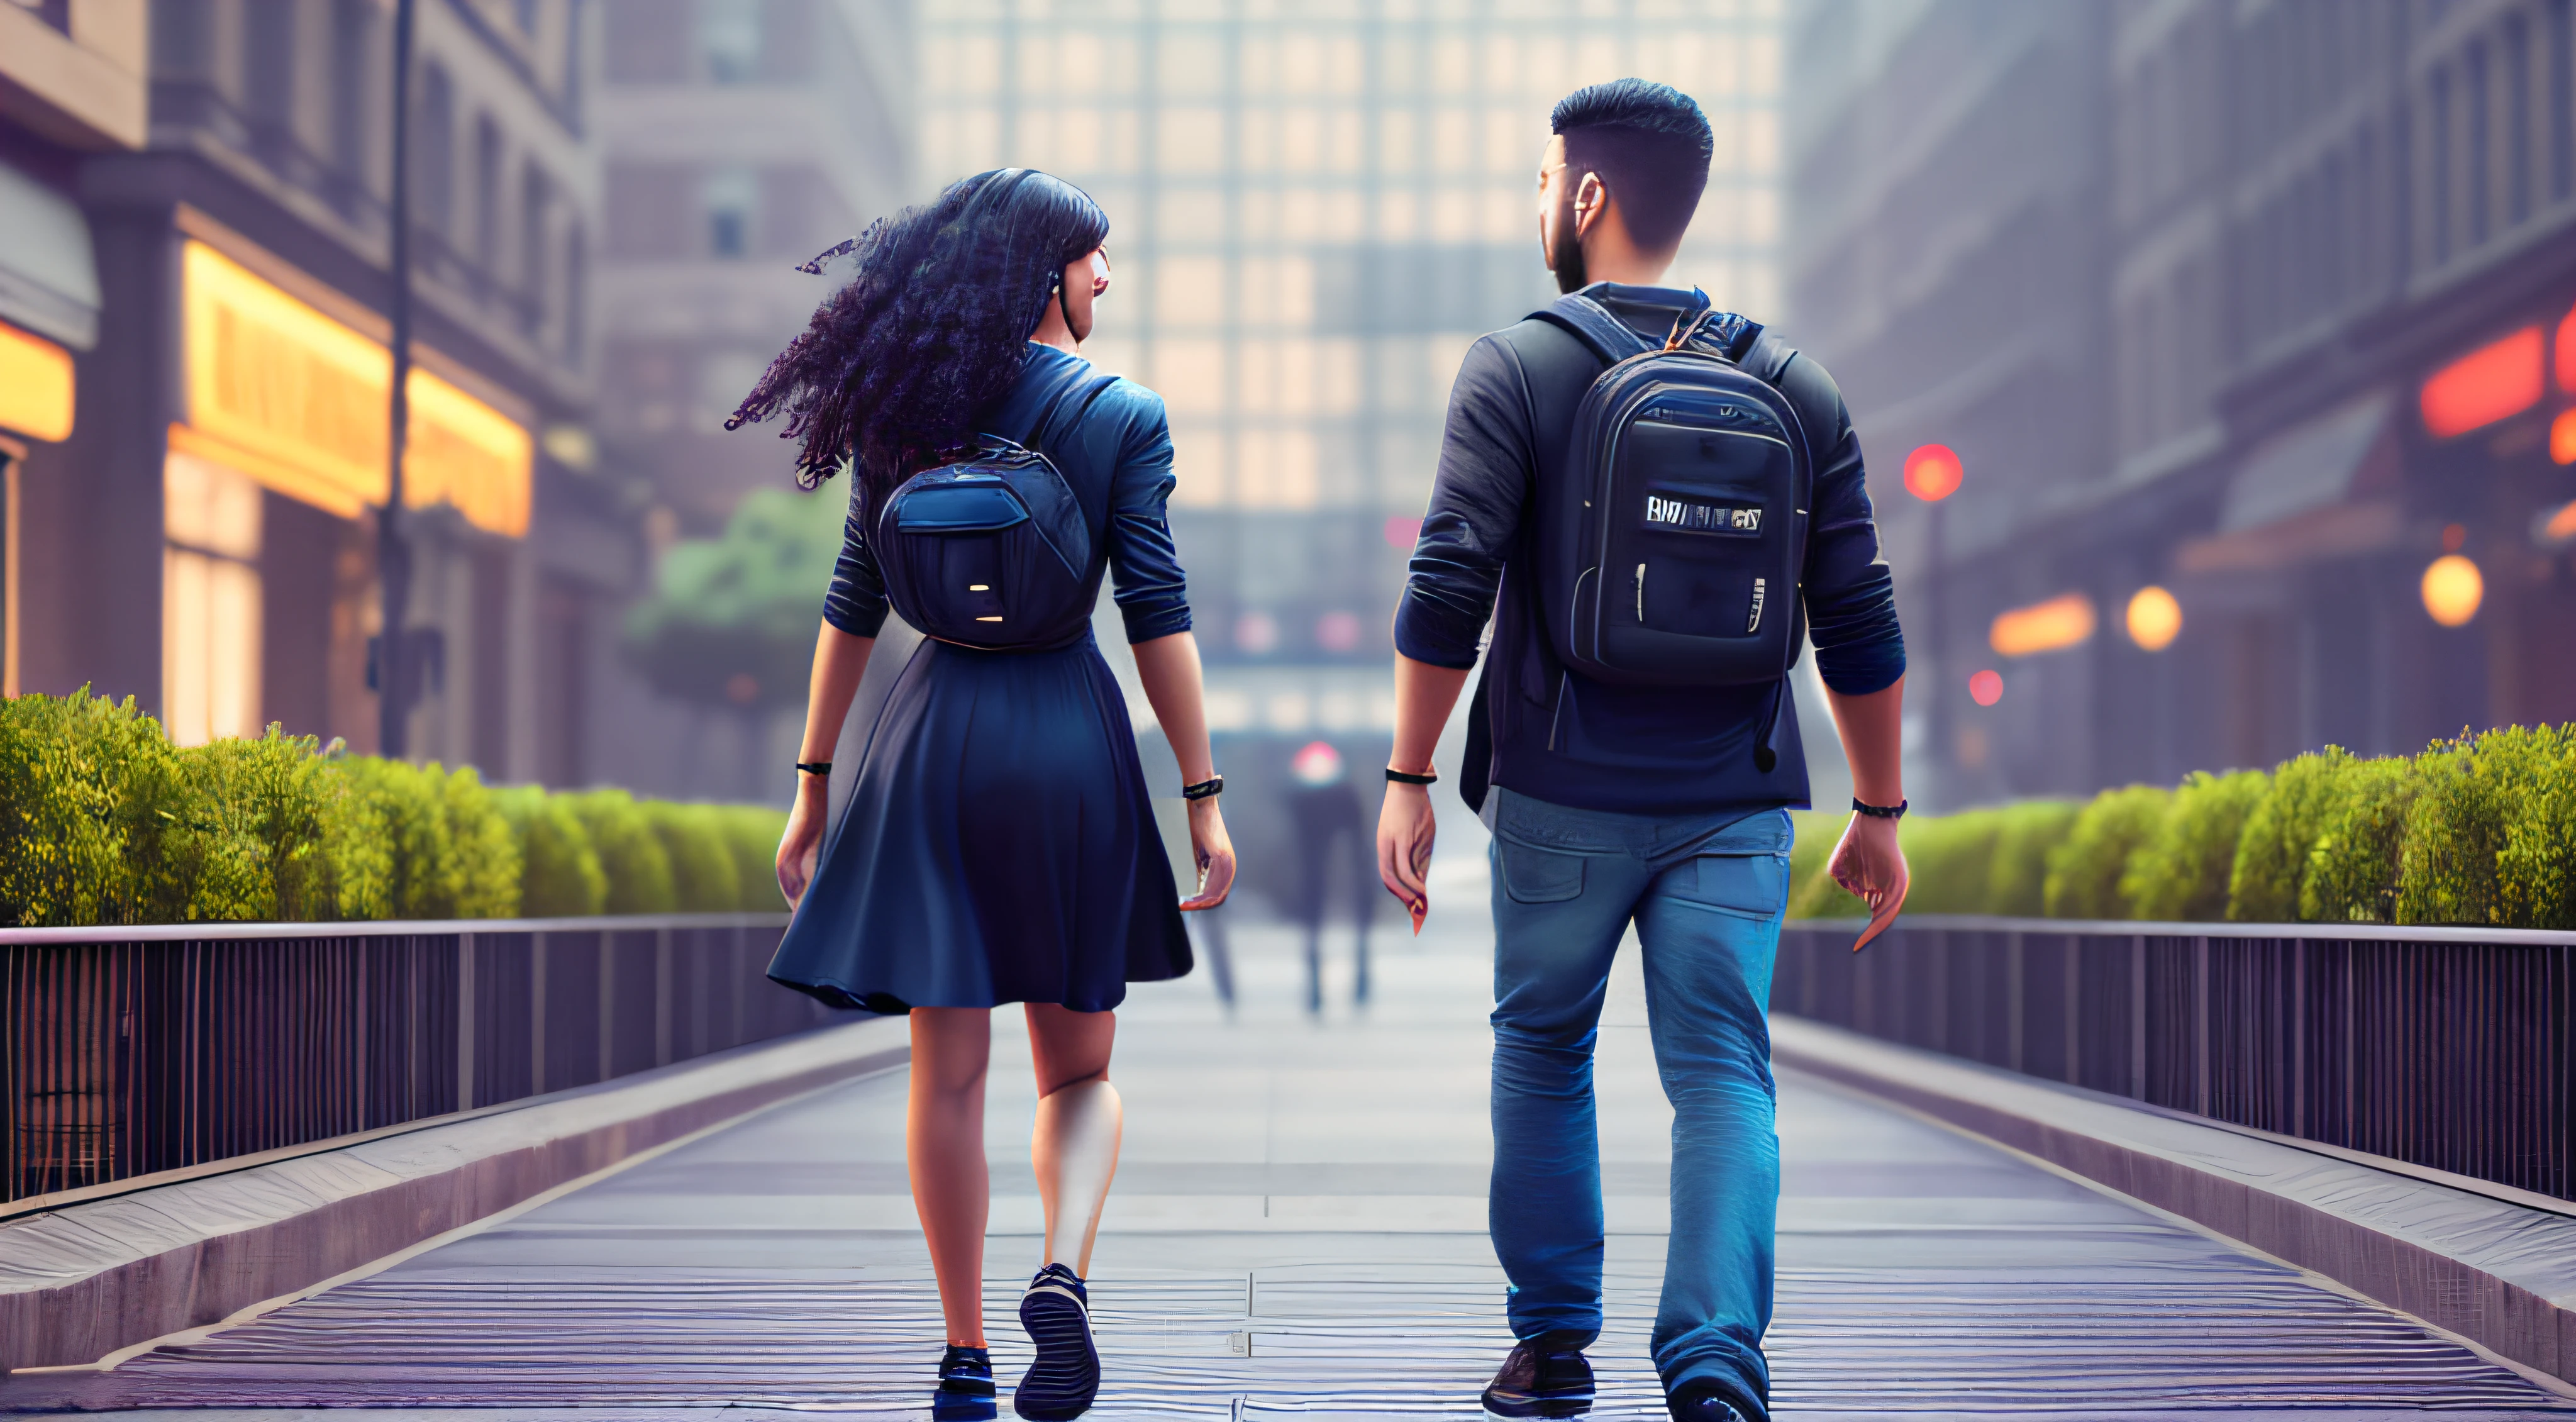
x=48, y=275
x=2308, y=493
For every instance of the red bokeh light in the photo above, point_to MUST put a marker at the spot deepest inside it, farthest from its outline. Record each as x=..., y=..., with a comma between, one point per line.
x=1401, y=532
x=1932, y=472
x=2484, y=386
x=1986, y=687
x=2567, y=353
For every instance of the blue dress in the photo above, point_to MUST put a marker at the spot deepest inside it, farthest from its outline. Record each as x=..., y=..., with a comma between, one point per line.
x=998, y=845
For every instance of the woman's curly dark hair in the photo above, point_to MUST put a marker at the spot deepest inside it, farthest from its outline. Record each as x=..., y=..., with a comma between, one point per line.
x=934, y=327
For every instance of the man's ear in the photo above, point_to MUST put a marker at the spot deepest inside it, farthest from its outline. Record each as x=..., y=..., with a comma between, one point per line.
x=1591, y=199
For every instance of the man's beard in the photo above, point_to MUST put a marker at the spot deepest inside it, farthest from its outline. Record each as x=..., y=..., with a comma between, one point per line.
x=1566, y=257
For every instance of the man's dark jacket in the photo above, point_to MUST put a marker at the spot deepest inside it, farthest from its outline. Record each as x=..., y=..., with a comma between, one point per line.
x=1559, y=736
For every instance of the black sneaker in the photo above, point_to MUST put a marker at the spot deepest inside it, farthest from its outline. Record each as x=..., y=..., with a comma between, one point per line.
x=965, y=1392
x=1709, y=1402
x=1060, y=1385
x=1541, y=1378
x=966, y=1372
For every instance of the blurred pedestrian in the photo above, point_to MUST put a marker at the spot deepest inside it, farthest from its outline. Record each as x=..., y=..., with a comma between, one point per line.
x=1651, y=498
x=1333, y=857
x=998, y=845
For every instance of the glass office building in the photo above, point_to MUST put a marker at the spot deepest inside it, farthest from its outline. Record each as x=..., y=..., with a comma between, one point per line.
x=1316, y=208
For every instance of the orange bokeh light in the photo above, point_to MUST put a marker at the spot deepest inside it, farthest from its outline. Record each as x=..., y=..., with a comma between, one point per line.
x=2155, y=618
x=2485, y=386
x=1986, y=687
x=2453, y=588
x=2562, y=437
x=1932, y=472
x=2063, y=621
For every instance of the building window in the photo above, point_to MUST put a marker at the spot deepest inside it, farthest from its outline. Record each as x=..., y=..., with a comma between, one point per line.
x=487, y=193
x=434, y=184
x=2562, y=100
x=729, y=40
x=729, y=196
x=268, y=68
x=352, y=27
x=536, y=196
x=2481, y=155
x=2439, y=184
x=210, y=603
x=2518, y=114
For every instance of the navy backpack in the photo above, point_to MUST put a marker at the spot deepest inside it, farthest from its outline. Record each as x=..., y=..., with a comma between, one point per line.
x=1677, y=540
x=994, y=549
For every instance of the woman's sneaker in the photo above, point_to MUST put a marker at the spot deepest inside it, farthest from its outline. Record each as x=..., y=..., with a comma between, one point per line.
x=1065, y=1378
x=965, y=1391
x=1542, y=1378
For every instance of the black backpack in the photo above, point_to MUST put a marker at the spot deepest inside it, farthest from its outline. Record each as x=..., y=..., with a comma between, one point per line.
x=1675, y=545
x=994, y=550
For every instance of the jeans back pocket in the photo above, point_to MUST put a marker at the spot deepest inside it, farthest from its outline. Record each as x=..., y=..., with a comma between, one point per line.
x=1538, y=876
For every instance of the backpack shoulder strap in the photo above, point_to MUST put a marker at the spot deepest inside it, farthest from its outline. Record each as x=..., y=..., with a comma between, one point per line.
x=1052, y=425
x=1590, y=322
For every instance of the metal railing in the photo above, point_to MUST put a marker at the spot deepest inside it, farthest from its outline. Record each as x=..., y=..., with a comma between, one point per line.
x=2448, y=1048
x=132, y=1052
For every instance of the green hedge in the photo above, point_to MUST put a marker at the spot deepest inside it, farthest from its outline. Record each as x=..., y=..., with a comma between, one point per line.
x=2479, y=830
x=103, y=821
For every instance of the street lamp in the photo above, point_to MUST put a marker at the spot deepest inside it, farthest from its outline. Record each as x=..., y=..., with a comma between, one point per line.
x=1932, y=474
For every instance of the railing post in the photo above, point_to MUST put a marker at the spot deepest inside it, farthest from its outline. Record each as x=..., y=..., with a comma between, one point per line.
x=2138, y=1017
x=465, y=1021
x=2073, y=1009
x=536, y=1014
x=2200, y=1025
x=607, y=1003
x=2298, y=1037
x=662, y=997
x=2014, y=986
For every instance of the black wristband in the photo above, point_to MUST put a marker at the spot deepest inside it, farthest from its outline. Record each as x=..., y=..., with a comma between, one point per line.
x=1209, y=788
x=1883, y=812
x=1407, y=777
x=815, y=767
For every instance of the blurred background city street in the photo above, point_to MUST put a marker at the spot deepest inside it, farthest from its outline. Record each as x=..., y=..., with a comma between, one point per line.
x=2214, y=361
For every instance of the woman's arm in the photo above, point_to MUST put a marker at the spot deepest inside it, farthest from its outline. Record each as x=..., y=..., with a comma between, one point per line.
x=840, y=659
x=1169, y=667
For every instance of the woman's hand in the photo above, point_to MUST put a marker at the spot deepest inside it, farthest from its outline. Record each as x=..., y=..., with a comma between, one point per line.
x=1215, y=854
x=803, y=841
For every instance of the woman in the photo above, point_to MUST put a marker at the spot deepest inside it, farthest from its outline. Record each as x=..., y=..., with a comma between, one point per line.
x=998, y=845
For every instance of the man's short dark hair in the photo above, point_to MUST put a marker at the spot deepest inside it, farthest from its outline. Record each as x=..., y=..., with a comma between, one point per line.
x=1649, y=143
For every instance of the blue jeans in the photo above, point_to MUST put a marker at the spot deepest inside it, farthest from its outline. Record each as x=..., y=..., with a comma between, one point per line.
x=1706, y=893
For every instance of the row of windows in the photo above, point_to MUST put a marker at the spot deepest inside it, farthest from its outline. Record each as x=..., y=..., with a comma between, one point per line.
x=1244, y=140
x=2500, y=128
x=1303, y=58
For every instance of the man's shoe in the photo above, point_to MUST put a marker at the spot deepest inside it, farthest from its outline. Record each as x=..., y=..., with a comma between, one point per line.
x=1060, y=1385
x=1541, y=1378
x=1708, y=1402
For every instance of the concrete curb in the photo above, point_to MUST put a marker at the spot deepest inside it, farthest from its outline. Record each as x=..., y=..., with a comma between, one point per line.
x=2494, y=1272
x=80, y=1282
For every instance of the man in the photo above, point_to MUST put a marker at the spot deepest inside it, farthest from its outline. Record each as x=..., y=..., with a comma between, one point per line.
x=1618, y=803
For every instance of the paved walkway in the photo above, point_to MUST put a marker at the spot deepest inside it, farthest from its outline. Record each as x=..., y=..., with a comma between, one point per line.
x=1298, y=1227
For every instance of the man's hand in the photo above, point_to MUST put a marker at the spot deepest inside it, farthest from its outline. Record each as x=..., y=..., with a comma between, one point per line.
x=1404, y=834
x=1867, y=864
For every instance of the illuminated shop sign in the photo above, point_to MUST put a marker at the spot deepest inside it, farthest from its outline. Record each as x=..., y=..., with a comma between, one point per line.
x=297, y=401
x=35, y=385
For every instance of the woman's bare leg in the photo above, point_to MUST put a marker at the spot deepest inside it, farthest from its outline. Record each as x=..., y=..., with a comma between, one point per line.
x=944, y=1145
x=1075, y=1146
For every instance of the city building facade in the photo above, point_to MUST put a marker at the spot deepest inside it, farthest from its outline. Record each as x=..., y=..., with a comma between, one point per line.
x=210, y=530
x=740, y=138
x=72, y=84
x=1315, y=210
x=2320, y=493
